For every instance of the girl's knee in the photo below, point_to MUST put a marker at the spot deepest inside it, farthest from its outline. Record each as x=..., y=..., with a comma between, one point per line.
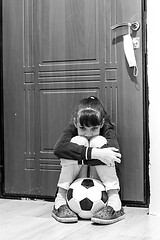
x=80, y=140
x=98, y=141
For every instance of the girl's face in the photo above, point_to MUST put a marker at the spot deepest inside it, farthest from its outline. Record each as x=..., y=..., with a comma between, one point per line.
x=88, y=132
x=88, y=116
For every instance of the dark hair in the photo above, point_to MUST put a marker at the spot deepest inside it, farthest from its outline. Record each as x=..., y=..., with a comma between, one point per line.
x=91, y=112
x=89, y=117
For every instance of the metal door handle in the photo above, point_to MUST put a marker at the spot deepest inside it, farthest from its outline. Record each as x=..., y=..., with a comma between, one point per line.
x=134, y=26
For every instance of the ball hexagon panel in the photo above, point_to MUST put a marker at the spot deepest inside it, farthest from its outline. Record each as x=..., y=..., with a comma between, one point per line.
x=74, y=205
x=85, y=214
x=94, y=194
x=79, y=193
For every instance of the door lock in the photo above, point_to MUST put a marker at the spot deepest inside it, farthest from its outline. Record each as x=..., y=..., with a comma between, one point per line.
x=136, y=42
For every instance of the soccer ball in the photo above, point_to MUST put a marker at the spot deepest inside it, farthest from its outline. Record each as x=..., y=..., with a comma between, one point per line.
x=86, y=196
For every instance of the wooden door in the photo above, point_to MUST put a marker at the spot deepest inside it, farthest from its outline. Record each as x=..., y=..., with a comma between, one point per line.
x=56, y=52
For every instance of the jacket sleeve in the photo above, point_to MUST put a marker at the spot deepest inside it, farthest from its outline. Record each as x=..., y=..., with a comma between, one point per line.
x=68, y=150
x=111, y=136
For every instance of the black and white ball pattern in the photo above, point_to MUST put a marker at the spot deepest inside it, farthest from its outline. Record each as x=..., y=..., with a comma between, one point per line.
x=86, y=196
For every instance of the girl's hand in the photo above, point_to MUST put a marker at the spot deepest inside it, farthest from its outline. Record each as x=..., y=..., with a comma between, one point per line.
x=107, y=155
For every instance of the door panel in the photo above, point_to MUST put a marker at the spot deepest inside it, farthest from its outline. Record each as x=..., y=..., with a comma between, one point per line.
x=55, y=53
x=130, y=123
x=74, y=23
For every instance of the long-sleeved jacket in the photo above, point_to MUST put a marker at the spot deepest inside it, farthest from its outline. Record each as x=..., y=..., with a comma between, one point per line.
x=72, y=151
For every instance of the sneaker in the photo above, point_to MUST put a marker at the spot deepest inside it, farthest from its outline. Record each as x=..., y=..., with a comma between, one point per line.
x=64, y=214
x=108, y=215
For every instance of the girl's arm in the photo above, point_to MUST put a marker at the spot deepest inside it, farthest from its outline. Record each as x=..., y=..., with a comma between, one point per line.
x=68, y=150
x=111, y=136
x=72, y=151
x=109, y=153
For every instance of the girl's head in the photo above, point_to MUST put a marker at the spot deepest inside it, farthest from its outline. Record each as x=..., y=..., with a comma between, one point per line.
x=89, y=117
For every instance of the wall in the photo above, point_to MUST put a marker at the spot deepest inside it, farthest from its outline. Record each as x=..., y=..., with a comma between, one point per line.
x=154, y=98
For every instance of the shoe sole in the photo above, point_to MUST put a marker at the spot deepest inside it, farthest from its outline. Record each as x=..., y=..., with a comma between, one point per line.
x=106, y=222
x=65, y=220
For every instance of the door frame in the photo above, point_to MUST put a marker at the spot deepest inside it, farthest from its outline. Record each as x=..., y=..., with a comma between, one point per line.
x=145, y=116
x=1, y=109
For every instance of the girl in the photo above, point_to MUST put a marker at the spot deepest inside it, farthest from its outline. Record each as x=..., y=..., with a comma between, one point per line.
x=89, y=142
